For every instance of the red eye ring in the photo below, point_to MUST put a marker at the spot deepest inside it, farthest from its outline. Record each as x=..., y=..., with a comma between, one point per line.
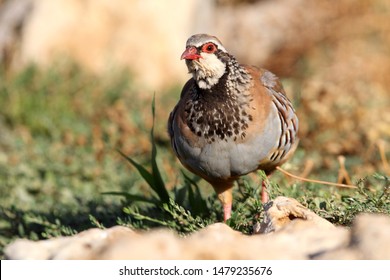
x=209, y=48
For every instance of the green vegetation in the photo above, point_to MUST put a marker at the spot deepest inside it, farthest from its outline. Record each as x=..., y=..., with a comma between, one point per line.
x=77, y=151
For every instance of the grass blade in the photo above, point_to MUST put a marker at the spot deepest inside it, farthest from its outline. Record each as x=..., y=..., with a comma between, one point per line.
x=148, y=177
x=158, y=186
x=154, y=178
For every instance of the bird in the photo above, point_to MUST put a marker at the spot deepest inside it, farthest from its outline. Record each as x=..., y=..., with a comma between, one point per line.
x=231, y=119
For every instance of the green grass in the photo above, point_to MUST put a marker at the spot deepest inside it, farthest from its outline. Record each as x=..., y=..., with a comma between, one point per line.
x=78, y=151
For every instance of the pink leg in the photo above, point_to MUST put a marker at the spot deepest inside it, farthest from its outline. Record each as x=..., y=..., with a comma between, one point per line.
x=227, y=211
x=226, y=197
x=264, y=193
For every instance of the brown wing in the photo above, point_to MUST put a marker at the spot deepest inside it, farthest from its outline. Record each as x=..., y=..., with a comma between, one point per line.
x=273, y=94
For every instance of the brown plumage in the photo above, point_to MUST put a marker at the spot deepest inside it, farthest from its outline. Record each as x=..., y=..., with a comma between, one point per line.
x=231, y=119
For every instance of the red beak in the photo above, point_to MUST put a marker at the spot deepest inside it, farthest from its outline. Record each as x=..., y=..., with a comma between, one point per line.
x=190, y=53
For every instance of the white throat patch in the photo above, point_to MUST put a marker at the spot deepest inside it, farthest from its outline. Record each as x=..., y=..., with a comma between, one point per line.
x=208, y=70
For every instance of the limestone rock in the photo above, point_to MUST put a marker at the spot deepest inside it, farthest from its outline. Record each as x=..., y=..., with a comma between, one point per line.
x=85, y=245
x=23, y=249
x=369, y=239
x=215, y=241
x=290, y=231
x=153, y=245
x=285, y=211
x=371, y=236
x=295, y=232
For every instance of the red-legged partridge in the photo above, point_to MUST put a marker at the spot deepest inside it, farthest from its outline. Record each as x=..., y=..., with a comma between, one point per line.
x=231, y=119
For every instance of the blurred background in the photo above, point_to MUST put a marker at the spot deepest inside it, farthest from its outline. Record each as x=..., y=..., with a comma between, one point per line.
x=77, y=78
x=336, y=56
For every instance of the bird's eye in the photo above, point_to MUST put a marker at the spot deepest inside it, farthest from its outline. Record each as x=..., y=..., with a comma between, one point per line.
x=209, y=48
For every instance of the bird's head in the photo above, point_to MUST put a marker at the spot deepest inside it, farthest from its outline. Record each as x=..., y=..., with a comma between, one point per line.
x=206, y=59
